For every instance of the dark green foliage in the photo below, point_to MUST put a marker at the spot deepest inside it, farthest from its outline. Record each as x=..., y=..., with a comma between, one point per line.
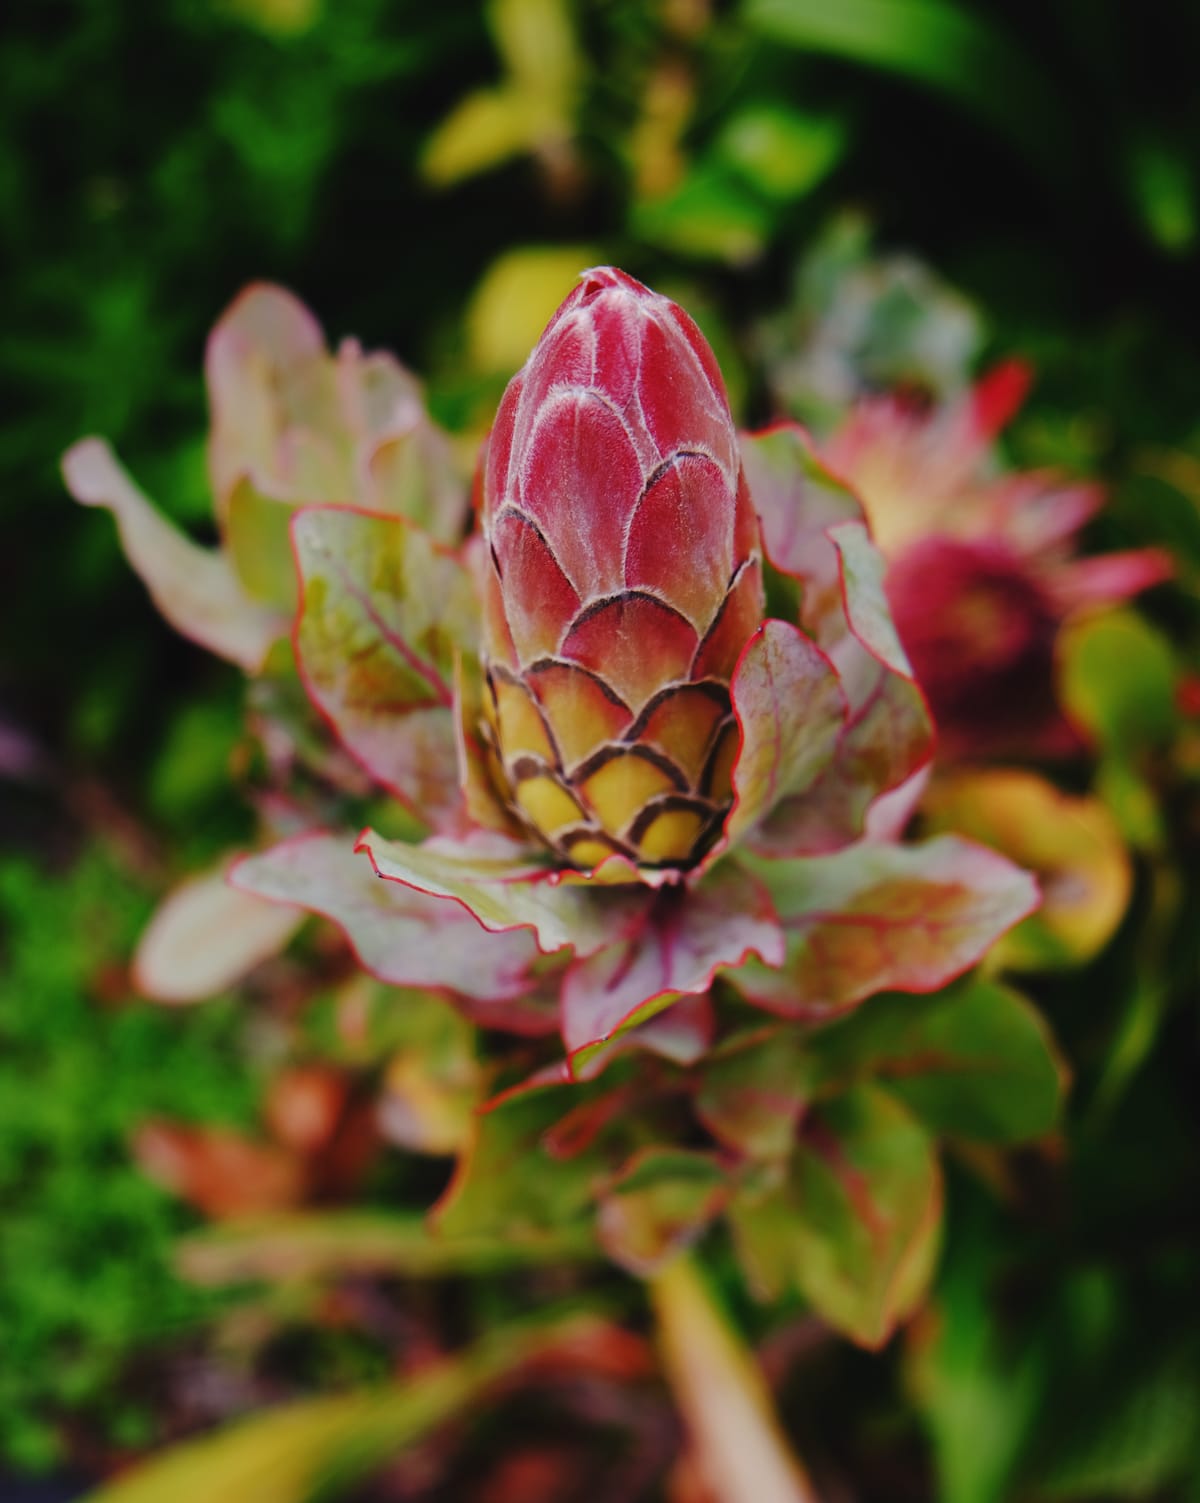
x=85, y=1239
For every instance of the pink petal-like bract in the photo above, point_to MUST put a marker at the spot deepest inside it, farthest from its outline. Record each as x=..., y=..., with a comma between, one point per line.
x=625, y=580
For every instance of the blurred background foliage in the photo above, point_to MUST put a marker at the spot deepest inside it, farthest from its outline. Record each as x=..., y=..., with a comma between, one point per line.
x=431, y=178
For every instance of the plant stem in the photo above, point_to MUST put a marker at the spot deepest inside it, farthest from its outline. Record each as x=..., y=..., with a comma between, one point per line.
x=735, y=1434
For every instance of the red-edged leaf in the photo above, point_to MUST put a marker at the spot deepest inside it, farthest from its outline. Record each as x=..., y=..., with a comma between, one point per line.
x=813, y=529
x=383, y=609
x=854, y=1228
x=268, y=374
x=751, y=1096
x=195, y=588
x=876, y=917
x=295, y=424
x=796, y=497
x=400, y=935
x=791, y=710
x=205, y=936
x=674, y=945
x=508, y=1184
x=508, y=886
x=975, y=1060
x=1072, y=843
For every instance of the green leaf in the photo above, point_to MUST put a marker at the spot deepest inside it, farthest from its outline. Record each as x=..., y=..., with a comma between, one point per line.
x=290, y=1454
x=660, y=1202
x=781, y=152
x=710, y=216
x=753, y=1091
x=975, y=1061
x=332, y=1244
x=946, y=46
x=509, y=1185
x=258, y=539
x=854, y=1226
x=1072, y=844
x=383, y=608
x=1117, y=678
x=433, y=1081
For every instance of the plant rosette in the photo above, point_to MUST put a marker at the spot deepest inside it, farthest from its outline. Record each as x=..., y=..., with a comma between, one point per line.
x=645, y=712
x=983, y=565
x=638, y=782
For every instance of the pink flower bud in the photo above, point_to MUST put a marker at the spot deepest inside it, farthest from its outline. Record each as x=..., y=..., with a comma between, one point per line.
x=623, y=581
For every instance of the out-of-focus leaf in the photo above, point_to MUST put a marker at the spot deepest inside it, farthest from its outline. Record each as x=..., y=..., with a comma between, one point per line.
x=660, y=1202
x=977, y=1393
x=739, y=1448
x=1147, y=1438
x=675, y=946
x=855, y=1226
x=507, y=1185
x=383, y=609
x=861, y=322
x=514, y=301
x=1164, y=193
x=330, y=1244
x=195, y=588
x=946, y=46
x=433, y=1079
x=279, y=18
x=323, y=1446
x=710, y=216
x=974, y=1061
x=399, y=934
x=258, y=538
x=484, y=130
x=752, y=1093
x=878, y=917
x=1072, y=844
x=1117, y=678
x=781, y=152
x=537, y=41
x=205, y=936
x=531, y=110
x=221, y=1172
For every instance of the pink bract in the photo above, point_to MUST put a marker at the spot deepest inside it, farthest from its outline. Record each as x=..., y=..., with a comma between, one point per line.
x=982, y=568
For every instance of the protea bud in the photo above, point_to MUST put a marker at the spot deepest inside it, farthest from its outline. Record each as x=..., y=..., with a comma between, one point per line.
x=624, y=580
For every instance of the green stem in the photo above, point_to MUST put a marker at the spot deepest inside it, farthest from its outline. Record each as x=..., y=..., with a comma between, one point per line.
x=735, y=1434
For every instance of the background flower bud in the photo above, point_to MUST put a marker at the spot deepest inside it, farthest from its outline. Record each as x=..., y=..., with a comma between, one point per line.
x=623, y=580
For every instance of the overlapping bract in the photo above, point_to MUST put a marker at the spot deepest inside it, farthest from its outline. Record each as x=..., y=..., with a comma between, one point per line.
x=623, y=581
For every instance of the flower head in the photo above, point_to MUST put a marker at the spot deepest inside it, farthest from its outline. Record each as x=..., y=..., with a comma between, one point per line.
x=624, y=579
x=982, y=566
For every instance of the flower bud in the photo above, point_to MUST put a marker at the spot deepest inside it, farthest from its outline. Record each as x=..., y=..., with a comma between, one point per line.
x=623, y=581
